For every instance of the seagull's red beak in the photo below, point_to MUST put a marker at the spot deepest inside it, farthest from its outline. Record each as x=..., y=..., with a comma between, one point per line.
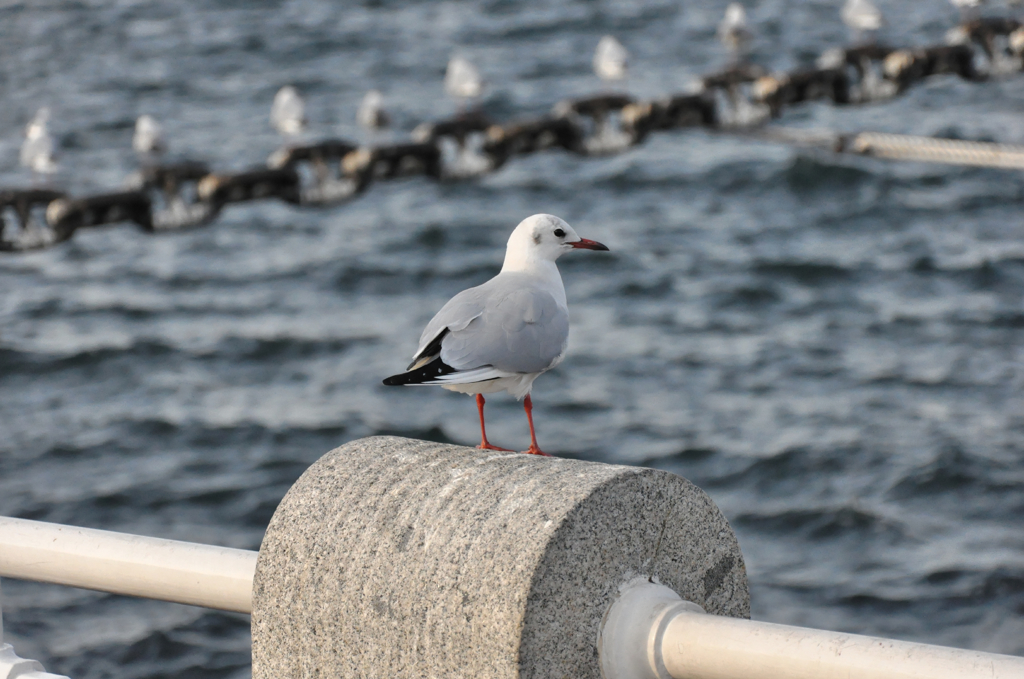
x=587, y=244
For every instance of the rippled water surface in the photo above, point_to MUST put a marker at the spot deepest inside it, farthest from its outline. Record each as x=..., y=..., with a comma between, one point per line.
x=831, y=347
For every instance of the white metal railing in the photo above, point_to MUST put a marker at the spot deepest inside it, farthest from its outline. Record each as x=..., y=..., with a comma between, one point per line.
x=153, y=568
x=651, y=633
x=168, y=570
x=13, y=667
x=648, y=633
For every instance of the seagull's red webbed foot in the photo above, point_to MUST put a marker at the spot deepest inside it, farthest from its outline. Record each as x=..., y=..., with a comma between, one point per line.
x=534, y=448
x=484, y=443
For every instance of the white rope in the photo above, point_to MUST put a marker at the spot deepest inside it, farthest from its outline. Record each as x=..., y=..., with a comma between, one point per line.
x=932, y=150
x=899, y=146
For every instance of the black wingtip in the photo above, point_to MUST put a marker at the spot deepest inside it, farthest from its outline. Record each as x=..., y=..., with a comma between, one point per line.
x=423, y=375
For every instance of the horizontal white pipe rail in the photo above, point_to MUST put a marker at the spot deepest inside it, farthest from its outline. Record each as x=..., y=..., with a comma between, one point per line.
x=153, y=568
x=648, y=633
x=651, y=633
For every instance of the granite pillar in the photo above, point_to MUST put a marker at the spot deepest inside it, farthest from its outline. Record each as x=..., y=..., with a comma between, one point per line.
x=397, y=558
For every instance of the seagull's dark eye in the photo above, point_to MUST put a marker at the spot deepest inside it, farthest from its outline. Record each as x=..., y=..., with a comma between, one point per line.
x=559, y=233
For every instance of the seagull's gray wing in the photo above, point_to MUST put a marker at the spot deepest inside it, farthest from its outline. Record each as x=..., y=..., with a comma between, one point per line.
x=521, y=328
x=459, y=312
x=36, y=151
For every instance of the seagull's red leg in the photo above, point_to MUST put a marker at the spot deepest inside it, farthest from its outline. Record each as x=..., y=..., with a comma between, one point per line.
x=534, y=448
x=484, y=444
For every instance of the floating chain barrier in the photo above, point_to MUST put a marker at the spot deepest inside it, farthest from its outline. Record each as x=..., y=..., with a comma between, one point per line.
x=740, y=98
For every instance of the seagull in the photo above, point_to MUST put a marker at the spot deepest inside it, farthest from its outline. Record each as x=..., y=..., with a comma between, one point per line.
x=37, y=151
x=461, y=80
x=288, y=112
x=733, y=31
x=500, y=336
x=968, y=8
x=371, y=113
x=610, y=59
x=148, y=139
x=862, y=16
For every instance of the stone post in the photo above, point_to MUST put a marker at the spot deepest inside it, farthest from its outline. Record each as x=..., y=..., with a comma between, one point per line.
x=397, y=558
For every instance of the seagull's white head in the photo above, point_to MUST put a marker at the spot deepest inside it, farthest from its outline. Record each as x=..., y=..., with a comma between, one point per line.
x=36, y=128
x=542, y=238
x=735, y=17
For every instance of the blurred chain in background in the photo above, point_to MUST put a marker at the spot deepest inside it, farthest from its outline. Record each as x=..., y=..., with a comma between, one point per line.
x=742, y=98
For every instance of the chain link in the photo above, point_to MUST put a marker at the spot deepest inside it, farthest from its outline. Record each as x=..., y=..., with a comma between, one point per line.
x=741, y=98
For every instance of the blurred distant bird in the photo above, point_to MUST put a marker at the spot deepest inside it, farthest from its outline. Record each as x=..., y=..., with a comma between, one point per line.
x=862, y=17
x=610, y=59
x=288, y=112
x=734, y=32
x=37, y=151
x=462, y=81
x=502, y=335
x=371, y=113
x=968, y=8
x=148, y=140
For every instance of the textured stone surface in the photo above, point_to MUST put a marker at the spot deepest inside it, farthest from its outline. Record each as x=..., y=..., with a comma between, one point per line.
x=398, y=558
